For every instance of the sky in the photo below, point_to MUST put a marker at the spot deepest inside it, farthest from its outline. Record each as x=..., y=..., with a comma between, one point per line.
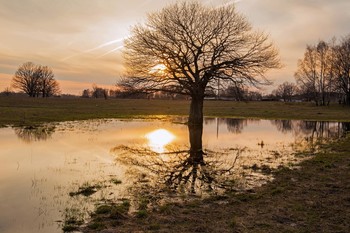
x=82, y=40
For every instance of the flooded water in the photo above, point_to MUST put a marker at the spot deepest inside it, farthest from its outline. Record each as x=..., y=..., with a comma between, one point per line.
x=42, y=168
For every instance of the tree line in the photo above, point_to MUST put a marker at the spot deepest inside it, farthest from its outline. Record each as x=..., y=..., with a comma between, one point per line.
x=322, y=76
x=324, y=71
x=35, y=80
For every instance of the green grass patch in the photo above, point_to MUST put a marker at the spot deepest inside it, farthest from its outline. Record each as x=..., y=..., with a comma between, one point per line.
x=73, y=219
x=96, y=226
x=115, y=211
x=116, y=181
x=104, y=209
x=86, y=190
x=141, y=213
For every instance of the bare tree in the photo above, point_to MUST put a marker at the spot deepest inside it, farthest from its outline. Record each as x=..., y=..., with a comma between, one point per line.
x=27, y=79
x=306, y=91
x=342, y=68
x=236, y=92
x=48, y=85
x=99, y=92
x=316, y=73
x=187, y=48
x=6, y=92
x=286, y=91
x=86, y=93
x=35, y=79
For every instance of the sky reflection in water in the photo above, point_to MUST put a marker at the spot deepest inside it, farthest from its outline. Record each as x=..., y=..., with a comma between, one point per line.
x=40, y=166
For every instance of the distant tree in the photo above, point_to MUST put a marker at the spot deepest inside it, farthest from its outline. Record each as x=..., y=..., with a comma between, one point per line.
x=7, y=91
x=105, y=93
x=186, y=48
x=128, y=94
x=236, y=92
x=95, y=93
x=306, y=92
x=99, y=92
x=86, y=93
x=286, y=91
x=27, y=78
x=315, y=72
x=48, y=85
x=253, y=96
x=342, y=68
x=35, y=80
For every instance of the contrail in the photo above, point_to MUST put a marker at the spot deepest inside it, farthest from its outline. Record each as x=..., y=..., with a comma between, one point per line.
x=226, y=3
x=107, y=43
x=99, y=47
x=111, y=51
x=229, y=3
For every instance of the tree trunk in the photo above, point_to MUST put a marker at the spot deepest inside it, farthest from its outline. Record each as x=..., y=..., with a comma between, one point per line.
x=346, y=127
x=196, y=111
x=196, y=150
x=196, y=160
x=347, y=100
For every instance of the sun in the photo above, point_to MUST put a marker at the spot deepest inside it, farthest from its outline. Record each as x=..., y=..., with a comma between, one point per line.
x=158, y=139
x=160, y=69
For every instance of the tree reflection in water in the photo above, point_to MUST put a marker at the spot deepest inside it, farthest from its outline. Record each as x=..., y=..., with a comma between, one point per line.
x=186, y=171
x=313, y=129
x=310, y=134
x=35, y=133
x=202, y=172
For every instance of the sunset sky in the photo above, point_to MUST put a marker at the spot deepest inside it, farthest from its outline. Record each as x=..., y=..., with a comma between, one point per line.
x=81, y=40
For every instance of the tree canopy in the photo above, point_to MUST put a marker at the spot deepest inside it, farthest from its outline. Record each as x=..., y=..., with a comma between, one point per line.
x=325, y=71
x=187, y=48
x=35, y=80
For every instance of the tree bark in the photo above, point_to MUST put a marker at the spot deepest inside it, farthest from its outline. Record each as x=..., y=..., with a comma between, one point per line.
x=347, y=100
x=196, y=111
x=196, y=150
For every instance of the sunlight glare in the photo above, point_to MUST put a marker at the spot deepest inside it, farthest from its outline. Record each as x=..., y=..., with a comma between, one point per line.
x=158, y=139
x=160, y=68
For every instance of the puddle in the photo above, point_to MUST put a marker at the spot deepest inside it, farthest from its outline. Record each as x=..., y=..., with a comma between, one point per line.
x=41, y=166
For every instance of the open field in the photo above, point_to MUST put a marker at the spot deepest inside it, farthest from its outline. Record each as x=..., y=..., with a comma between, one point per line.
x=26, y=111
x=314, y=198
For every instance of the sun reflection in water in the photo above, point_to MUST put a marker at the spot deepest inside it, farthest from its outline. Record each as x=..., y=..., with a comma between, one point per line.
x=158, y=139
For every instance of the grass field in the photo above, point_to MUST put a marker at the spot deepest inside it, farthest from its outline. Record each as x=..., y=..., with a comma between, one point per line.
x=24, y=111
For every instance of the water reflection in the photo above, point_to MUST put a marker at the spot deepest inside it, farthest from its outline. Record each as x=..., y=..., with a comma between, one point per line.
x=284, y=126
x=158, y=139
x=179, y=170
x=35, y=133
x=319, y=129
x=193, y=169
x=36, y=177
x=233, y=125
x=312, y=131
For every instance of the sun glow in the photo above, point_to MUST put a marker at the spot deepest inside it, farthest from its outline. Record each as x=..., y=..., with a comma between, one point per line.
x=160, y=68
x=158, y=139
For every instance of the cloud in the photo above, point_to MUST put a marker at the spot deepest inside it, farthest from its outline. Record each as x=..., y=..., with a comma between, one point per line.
x=294, y=24
x=5, y=81
x=81, y=40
